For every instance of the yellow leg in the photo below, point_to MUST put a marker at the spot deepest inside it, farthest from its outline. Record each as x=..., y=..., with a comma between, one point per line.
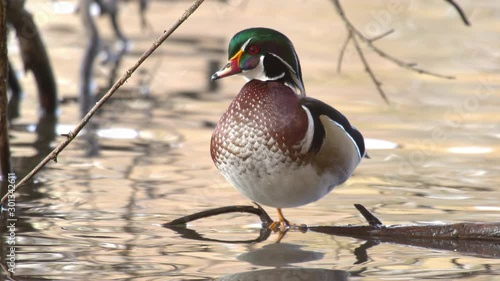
x=281, y=225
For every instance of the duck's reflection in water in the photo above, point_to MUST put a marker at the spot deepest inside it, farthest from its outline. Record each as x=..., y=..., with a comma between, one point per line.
x=302, y=274
x=282, y=256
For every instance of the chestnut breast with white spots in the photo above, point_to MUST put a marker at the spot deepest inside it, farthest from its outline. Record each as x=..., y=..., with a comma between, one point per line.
x=264, y=119
x=261, y=146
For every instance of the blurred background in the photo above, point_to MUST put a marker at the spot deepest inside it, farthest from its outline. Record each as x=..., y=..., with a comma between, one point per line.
x=144, y=159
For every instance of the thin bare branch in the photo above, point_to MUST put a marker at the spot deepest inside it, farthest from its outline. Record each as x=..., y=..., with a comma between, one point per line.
x=8, y=273
x=369, y=43
x=72, y=134
x=460, y=11
x=380, y=36
x=368, y=69
x=342, y=51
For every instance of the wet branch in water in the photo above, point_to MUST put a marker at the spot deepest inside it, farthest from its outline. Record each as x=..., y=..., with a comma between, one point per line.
x=179, y=225
x=376, y=229
x=259, y=211
x=482, y=239
x=354, y=35
x=72, y=134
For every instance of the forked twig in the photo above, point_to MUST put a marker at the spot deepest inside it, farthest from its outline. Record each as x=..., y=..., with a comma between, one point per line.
x=369, y=43
x=72, y=134
x=354, y=33
x=342, y=51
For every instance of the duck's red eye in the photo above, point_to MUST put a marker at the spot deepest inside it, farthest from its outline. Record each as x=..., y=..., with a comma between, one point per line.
x=253, y=50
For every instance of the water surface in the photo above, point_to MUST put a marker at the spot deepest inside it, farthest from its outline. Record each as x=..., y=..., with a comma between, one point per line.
x=434, y=152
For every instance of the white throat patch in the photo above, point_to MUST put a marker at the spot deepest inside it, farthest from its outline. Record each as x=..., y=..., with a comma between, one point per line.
x=258, y=73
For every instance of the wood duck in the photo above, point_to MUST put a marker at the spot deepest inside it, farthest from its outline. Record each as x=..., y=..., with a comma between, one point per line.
x=275, y=145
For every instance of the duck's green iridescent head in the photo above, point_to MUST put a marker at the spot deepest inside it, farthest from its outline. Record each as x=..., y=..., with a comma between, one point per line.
x=263, y=54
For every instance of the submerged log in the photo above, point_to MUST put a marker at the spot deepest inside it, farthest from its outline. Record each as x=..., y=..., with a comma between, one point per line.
x=478, y=239
x=375, y=229
x=462, y=231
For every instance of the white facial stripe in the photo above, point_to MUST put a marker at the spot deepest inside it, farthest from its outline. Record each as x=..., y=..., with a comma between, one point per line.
x=283, y=61
x=259, y=74
x=243, y=47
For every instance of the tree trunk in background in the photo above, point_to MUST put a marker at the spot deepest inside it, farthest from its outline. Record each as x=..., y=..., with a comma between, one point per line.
x=87, y=96
x=4, y=133
x=35, y=57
